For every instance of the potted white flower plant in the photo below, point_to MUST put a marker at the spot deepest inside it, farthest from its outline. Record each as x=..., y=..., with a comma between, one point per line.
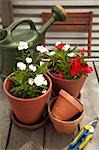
x=28, y=87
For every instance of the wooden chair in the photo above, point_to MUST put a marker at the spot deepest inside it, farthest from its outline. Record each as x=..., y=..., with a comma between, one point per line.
x=75, y=22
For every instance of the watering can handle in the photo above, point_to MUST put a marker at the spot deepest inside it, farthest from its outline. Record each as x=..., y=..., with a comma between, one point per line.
x=18, y=22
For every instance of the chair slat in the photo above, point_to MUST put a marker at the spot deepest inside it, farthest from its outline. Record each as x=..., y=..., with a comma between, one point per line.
x=75, y=22
x=68, y=28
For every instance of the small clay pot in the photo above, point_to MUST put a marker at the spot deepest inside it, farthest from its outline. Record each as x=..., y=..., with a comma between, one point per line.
x=66, y=106
x=64, y=127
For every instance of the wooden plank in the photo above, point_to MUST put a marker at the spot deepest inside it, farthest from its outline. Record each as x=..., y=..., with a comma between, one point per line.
x=95, y=28
x=68, y=21
x=92, y=59
x=95, y=49
x=72, y=18
x=66, y=3
x=95, y=54
x=89, y=97
x=21, y=139
x=37, y=18
x=55, y=141
x=71, y=41
x=4, y=119
x=36, y=10
x=68, y=28
x=95, y=19
x=72, y=35
x=97, y=69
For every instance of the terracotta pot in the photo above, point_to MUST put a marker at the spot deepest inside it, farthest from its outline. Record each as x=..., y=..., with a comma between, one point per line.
x=73, y=87
x=39, y=123
x=27, y=110
x=64, y=127
x=66, y=106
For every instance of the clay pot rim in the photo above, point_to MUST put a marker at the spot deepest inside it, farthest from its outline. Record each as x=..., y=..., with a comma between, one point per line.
x=74, y=101
x=67, y=121
x=27, y=99
x=66, y=79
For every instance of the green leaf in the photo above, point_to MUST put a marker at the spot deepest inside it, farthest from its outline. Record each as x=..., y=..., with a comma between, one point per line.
x=42, y=69
x=19, y=77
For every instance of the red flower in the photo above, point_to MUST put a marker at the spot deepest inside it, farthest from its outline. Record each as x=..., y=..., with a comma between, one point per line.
x=82, y=51
x=76, y=70
x=88, y=69
x=73, y=72
x=75, y=61
x=77, y=58
x=77, y=67
x=60, y=75
x=59, y=46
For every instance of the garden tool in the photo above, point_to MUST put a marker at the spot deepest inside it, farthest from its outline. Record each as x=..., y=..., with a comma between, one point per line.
x=10, y=37
x=83, y=137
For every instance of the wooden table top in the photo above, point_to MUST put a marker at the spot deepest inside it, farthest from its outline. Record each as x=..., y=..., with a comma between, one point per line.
x=13, y=137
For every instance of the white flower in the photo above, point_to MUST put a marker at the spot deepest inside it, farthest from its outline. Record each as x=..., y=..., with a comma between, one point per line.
x=44, y=91
x=41, y=63
x=51, y=53
x=42, y=49
x=28, y=60
x=40, y=80
x=71, y=54
x=21, y=65
x=22, y=45
x=66, y=47
x=45, y=82
x=30, y=81
x=57, y=43
x=33, y=68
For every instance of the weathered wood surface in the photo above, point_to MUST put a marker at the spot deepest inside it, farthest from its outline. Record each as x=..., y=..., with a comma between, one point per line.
x=90, y=95
x=4, y=119
x=46, y=138
x=55, y=141
x=21, y=139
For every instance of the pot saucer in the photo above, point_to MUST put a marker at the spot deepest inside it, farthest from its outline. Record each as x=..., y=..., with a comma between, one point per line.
x=39, y=123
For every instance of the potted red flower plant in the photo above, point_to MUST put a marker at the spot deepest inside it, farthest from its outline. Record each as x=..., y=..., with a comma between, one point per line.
x=67, y=68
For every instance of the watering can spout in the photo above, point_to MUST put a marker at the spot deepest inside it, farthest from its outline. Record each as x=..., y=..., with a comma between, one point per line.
x=58, y=14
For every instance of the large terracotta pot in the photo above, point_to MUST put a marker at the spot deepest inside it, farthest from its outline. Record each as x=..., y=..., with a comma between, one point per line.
x=64, y=127
x=27, y=110
x=66, y=106
x=73, y=87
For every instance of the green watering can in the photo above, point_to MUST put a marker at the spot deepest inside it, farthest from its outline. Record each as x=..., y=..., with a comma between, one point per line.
x=10, y=36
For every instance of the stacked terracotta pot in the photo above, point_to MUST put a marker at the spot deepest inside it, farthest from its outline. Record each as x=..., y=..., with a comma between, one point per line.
x=65, y=112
